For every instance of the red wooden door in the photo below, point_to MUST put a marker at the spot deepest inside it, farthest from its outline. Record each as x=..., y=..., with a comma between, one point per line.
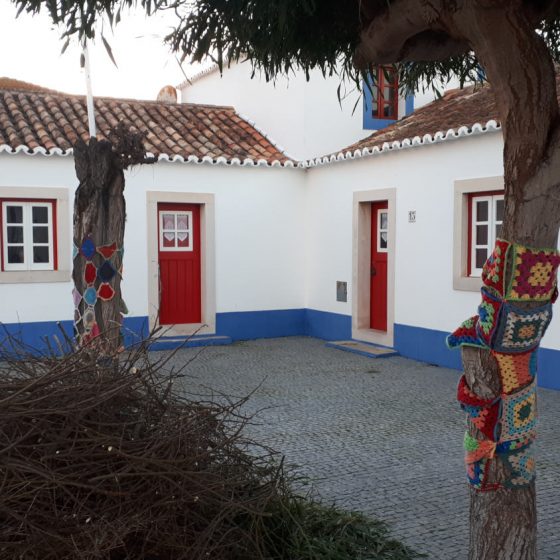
x=378, y=270
x=179, y=263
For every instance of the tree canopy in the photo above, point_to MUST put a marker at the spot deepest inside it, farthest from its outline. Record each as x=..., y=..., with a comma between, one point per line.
x=279, y=36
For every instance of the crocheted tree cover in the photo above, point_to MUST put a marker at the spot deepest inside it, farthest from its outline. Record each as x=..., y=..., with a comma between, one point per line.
x=477, y=475
x=465, y=335
x=476, y=449
x=516, y=370
x=99, y=272
x=488, y=317
x=493, y=271
x=483, y=414
x=521, y=330
x=534, y=274
x=521, y=465
x=519, y=414
x=508, y=422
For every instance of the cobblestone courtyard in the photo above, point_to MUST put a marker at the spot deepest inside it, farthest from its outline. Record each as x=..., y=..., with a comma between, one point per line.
x=381, y=436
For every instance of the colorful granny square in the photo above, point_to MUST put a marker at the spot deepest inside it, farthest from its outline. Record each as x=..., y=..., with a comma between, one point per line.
x=482, y=413
x=516, y=370
x=521, y=330
x=493, y=271
x=519, y=414
x=477, y=475
x=476, y=449
x=465, y=335
x=521, y=467
x=488, y=316
x=514, y=444
x=534, y=274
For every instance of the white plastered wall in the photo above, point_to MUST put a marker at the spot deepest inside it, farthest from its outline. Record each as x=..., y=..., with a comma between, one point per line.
x=33, y=302
x=284, y=236
x=424, y=180
x=304, y=118
x=259, y=216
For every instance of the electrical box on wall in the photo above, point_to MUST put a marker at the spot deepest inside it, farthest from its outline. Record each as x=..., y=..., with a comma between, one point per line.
x=341, y=291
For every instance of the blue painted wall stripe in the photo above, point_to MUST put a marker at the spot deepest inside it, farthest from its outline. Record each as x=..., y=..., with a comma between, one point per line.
x=425, y=345
x=328, y=326
x=428, y=345
x=246, y=325
x=417, y=343
x=33, y=335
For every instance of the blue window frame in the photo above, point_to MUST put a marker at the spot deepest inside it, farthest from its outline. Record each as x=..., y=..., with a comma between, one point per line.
x=381, y=100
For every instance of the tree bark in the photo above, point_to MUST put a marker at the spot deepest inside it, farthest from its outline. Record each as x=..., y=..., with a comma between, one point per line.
x=99, y=216
x=503, y=524
x=520, y=69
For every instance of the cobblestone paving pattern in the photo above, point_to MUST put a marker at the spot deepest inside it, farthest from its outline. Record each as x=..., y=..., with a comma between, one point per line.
x=381, y=436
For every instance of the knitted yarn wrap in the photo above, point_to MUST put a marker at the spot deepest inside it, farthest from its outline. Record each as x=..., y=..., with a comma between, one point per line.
x=505, y=426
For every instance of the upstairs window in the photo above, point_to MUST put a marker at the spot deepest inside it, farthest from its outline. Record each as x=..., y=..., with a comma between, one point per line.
x=28, y=235
x=486, y=214
x=385, y=93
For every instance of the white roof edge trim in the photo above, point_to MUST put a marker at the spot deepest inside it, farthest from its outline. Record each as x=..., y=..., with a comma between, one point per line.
x=171, y=158
x=407, y=143
x=195, y=77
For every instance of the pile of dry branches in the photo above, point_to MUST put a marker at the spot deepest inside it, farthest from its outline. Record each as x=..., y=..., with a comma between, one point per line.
x=111, y=461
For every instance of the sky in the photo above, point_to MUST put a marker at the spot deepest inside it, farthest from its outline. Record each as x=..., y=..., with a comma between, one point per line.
x=30, y=50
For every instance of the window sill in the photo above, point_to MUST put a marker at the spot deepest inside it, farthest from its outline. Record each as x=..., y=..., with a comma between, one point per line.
x=467, y=283
x=34, y=276
x=371, y=123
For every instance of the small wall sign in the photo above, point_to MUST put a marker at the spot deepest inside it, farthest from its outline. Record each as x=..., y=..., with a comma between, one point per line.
x=411, y=216
x=341, y=291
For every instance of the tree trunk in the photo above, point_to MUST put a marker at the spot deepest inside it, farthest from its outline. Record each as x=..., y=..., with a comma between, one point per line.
x=99, y=220
x=518, y=65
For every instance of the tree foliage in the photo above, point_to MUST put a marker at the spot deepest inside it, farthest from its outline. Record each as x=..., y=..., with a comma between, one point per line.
x=279, y=36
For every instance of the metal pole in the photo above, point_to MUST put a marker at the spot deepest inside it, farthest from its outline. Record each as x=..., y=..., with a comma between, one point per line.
x=90, y=107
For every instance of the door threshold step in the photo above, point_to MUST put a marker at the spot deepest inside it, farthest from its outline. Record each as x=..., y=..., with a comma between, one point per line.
x=192, y=341
x=363, y=348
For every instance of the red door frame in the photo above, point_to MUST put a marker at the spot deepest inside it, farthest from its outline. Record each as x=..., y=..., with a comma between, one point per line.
x=180, y=279
x=378, y=270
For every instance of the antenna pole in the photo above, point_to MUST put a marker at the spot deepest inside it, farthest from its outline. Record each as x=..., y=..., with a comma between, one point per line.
x=90, y=107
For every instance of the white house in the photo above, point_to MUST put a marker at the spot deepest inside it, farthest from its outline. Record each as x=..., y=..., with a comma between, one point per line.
x=381, y=242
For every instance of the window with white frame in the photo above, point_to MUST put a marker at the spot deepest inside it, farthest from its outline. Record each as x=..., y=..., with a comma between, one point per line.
x=175, y=231
x=382, y=231
x=486, y=213
x=28, y=235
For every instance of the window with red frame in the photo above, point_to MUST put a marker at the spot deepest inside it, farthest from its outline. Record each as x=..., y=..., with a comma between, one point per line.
x=28, y=234
x=486, y=213
x=385, y=93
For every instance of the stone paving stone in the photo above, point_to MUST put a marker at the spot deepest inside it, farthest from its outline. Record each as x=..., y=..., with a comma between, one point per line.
x=381, y=436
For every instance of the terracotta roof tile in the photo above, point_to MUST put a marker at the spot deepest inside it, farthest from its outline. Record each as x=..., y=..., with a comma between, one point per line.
x=33, y=117
x=457, y=108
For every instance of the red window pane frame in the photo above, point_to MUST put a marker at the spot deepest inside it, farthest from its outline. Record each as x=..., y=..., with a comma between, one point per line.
x=471, y=197
x=387, y=78
x=50, y=201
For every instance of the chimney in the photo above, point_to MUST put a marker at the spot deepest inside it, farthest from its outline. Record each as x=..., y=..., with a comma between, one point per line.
x=167, y=94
